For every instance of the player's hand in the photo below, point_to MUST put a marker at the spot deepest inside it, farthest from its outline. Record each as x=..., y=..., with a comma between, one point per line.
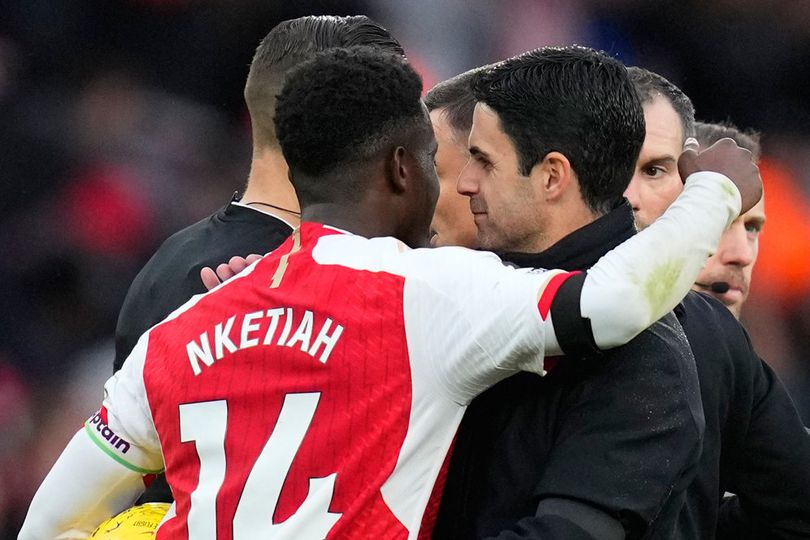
x=211, y=278
x=726, y=158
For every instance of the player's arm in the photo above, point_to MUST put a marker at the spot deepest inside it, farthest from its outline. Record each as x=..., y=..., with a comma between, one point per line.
x=101, y=471
x=84, y=487
x=645, y=277
x=487, y=321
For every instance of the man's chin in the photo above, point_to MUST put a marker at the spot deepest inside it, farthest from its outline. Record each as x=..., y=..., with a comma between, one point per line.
x=733, y=299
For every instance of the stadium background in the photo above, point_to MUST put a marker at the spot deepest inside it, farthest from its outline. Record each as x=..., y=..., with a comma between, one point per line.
x=122, y=121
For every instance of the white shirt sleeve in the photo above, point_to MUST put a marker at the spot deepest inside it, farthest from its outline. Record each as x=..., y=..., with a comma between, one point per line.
x=128, y=435
x=83, y=488
x=639, y=281
x=101, y=471
x=474, y=320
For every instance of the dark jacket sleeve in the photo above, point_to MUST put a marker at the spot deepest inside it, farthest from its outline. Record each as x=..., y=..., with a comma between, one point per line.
x=626, y=444
x=770, y=470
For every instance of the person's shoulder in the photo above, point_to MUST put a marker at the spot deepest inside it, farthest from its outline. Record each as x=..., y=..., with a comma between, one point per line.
x=704, y=318
x=391, y=255
x=179, y=243
x=454, y=256
x=664, y=338
x=706, y=309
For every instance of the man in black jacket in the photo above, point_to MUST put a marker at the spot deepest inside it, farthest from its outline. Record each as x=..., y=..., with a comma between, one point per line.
x=562, y=436
x=754, y=444
x=605, y=445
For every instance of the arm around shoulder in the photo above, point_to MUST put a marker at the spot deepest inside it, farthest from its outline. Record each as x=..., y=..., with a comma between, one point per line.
x=646, y=276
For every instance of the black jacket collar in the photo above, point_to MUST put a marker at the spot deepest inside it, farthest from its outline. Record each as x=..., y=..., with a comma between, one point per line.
x=582, y=248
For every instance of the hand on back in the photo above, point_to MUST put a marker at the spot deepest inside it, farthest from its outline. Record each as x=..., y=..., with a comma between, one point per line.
x=225, y=271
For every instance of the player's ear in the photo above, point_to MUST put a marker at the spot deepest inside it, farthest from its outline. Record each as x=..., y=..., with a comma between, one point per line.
x=555, y=173
x=397, y=169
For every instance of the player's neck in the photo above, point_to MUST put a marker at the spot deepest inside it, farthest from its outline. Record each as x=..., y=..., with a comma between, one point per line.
x=268, y=183
x=357, y=219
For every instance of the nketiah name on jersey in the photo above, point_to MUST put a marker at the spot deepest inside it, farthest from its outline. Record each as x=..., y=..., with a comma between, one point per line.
x=260, y=327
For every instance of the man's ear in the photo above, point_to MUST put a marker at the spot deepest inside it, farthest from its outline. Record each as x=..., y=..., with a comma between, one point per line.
x=397, y=169
x=557, y=175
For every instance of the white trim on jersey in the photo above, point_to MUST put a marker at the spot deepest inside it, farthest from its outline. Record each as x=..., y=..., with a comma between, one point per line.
x=470, y=320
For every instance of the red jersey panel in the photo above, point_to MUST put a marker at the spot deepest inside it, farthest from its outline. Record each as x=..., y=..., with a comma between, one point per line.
x=332, y=334
x=316, y=394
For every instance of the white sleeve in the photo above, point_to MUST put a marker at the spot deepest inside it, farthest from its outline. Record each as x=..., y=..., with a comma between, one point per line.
x=639, y=281
x=128, y=433
x=101, y=471
x=476, y=321
x=473, y=320
x=83, y=488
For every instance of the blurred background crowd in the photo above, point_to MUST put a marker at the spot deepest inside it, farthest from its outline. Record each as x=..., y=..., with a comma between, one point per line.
x=122, y=121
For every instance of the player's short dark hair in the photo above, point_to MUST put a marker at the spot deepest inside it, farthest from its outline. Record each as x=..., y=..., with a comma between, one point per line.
x=339, y=110
x=649, y=85
x=456, y=100
x=573, y=100
x=707, y=134
x=292, y=42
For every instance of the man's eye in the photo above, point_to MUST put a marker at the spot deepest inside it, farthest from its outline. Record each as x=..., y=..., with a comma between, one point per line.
x=485, y=164
x=654, y=171
x=753, y=228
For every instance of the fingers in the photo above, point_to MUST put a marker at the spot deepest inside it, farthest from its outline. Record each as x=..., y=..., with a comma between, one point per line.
x=687, y=162
x=225, y=271
x=209, y=278
x=691, y=144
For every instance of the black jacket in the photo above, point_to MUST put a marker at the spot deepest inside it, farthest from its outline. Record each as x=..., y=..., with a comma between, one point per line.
x=754, y=443
x=602, y=447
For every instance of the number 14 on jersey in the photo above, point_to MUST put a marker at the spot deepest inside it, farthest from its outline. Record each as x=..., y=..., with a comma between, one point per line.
x=205, y=423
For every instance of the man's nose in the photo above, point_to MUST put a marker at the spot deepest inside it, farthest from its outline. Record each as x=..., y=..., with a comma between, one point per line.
x=631, y=194
x=467, y=183
x=734, y=247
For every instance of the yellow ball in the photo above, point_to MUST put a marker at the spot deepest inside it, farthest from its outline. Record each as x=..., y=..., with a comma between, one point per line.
x=136, y=523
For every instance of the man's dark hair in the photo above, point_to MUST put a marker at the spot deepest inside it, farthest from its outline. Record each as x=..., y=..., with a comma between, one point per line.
x=292, y=42
x=456, y=100
x=575, y=101
x=339, y=110
x=707, y=134
x=649, y=85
